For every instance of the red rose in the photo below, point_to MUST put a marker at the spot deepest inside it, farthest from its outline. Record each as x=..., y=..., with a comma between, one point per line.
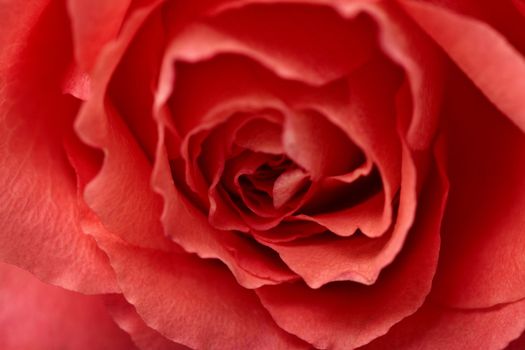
x=250, y=174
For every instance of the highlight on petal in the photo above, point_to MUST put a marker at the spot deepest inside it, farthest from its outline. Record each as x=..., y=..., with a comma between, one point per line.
x=500, y=74
x=35, y=315
x=94, y=24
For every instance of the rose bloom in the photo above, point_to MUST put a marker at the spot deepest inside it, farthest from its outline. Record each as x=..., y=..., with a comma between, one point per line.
x=262, y=174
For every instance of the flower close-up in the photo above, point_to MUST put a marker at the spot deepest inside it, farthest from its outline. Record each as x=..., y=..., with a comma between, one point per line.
x=262, y=174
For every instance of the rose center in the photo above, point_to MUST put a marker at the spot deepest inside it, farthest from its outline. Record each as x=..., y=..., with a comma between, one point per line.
x=275, y=183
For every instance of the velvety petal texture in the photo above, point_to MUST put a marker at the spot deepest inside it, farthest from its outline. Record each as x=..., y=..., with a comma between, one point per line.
x=262, y=174
x=41, y=213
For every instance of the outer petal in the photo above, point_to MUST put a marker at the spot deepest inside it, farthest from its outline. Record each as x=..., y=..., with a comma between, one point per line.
x=178, y=294
x=35, y=315
x=144, y=337
x=39, y=211
x=484, y=222
x=436, y=327
x=18, y=19
x=500, y=74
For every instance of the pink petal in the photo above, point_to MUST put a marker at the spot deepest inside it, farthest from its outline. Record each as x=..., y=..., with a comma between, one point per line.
x=261, y=136
x=437, y=327
x=287, y=185
x=18, y=19
x=296, y=49
x=35, y=315
x=484, y=221
x=232, y=83
x=399, y=38
x=372, y=126
x=143, y=336
x=131, y=87
x=328, y=258
x=123, y=200
x=319, y=146
x=179, y=294
x=38, y=204
x=366, y=216
x=500, y=75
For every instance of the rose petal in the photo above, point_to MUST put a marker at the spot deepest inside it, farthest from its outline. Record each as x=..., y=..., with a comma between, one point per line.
x=35, y=315
x=260, y=135
x=345, y=315
x=18, y=19
x=500, y=75
x=401, y=40
x=517, y=344
x=94, y=24
x=131, y=87
x=287, y=185
x=176, y=294
x=443, y=328
x=484, y=220
x=233, y=83
x=123, y=200
x=143, y=336
x=372, y=126
x=318, y=145
x=296, y=49
x=366, y=216
x=502, y=16
x=320, y=260
x=38, y=204
x=288, y=230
